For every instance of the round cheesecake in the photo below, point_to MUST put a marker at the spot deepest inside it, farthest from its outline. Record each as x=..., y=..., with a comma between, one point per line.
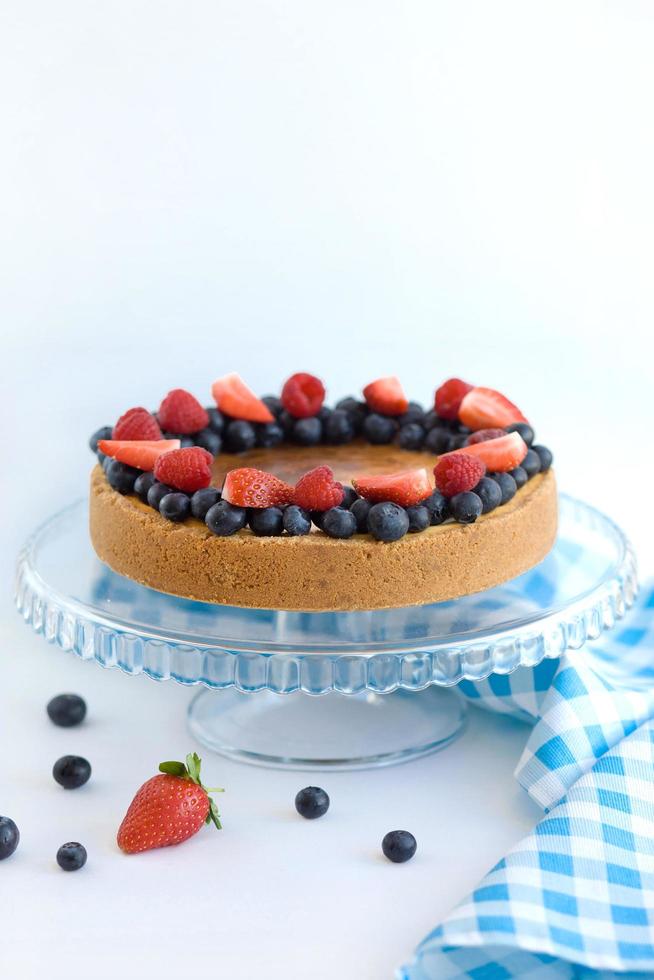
x=316, y=572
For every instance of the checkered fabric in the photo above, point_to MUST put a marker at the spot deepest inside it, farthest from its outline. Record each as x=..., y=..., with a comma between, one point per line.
x=576, y=897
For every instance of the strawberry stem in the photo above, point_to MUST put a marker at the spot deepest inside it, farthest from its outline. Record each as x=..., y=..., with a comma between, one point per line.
x=191, y=771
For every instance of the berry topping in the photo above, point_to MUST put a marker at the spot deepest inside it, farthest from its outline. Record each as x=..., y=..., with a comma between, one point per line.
x=185, y=469
x=71, y=856
x=399, y=846
x=120, y=476
x=180, y=411
x=500, y=455
x=209, y=440
x=66, y=710
x=224, y=520
x=386, y=396
x=142, y=485
x=9, y=837
x=296, y=521
x=137, y=423
x=338, y=428
x=531, y=463
x=202, y=500
x=268, y=522
x=507, y=485
x=466, y=507
x=410, y=436
x=545, y=456
x=419, y=518
x=303, y=395
x=168, y=809
x=307, y=432
x=449, y=397
x=105, y=432
x=240, y=436
x=233, y=397
x=484, y=408
x=489, y=493
x=175, y=507
x=379, y=429
x=248, y=487
x=141, y=453
x=408, y=487
x=71, y=771
x=388, y=521
x=312, y=802
x=361, y=508
x=523, y=429
x=458, y=472
x=156, y=493
x=339, y=523
x=438, y=507
x=483, y=435
x=318, y=490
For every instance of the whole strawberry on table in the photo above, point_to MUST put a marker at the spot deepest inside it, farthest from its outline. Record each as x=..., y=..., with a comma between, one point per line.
x=169, y=808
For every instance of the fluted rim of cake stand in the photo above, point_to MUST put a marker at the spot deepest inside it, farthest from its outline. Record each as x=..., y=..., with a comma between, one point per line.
x=66, y=623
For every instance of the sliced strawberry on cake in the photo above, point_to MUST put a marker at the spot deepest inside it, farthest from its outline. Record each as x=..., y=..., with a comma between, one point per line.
x=140, y=453
x=234, y=398
x=386, y=396
x=485, y=408
x=500, y=455
x=406, y=487
x=249, y=487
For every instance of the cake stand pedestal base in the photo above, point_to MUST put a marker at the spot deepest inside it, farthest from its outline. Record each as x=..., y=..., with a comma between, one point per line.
x=335, y=731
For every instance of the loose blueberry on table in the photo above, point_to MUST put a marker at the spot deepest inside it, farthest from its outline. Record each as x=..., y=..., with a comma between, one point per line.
x=312, y=802
x=71, y=771
x=71, y=856
x=483, y=443
x=399, y=846
x=66, y=710
x=9, y=837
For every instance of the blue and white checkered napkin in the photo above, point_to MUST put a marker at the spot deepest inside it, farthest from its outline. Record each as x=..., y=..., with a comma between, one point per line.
x=576, y=897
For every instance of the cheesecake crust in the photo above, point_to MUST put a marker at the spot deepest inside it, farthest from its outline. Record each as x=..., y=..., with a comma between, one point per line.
x=315, y=572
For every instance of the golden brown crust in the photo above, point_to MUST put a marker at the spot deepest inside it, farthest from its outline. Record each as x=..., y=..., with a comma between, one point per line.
x=315, y=572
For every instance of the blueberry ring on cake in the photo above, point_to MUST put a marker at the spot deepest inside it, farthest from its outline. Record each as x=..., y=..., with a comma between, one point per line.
x=284, y=503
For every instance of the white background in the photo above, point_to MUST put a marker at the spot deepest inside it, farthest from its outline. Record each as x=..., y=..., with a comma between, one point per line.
x=346, y=188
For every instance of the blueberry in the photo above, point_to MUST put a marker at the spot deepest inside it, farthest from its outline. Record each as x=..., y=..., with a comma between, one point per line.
x=209, y=440
x=142, y=485
x=273, y=404
x=438, y=507
x=267, y=522
x=457, y=441
x=414, y=413
x=419, y=518
x=101, y=457
x=66, y=710
x=224, y=520
x=466, y=507
x=105, y=432
x=325, y=413
x=524, y=430
x=157, y=492
x=388, y=522
x=240, y=436
x=121, y=477
x=312, y=802
x=545, y=457
x=356, y=410
x=71, y=856
x=531, y=463
x=379, y=429
x=105, y=463
x=411, y=436
x=202, y=500
x=175, y=507
x=71, y=771
x=338, y=428
x=216, y=420
x=296, y=521
x=10, y=837
x=430, y=420
x=317, y=517
x=269, y=435
x=307, y=432
x=489, y=493
x=437, y=440
x=506, y=484
x=399, y=846
x=339, y=523
x=287, y=421
x=361, y=508
x=519, y=476
x=349, y=497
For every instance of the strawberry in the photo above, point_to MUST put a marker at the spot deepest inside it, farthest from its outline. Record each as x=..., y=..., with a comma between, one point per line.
x=499, y=455
x=180, y=411
x=168, y=808
x=386, y=396
x=303, y=395
x=140, y=453
x=408, y=487
x=458, y=471
x=137, y=423
x=449, y=397
x=482, y=435
x=187, y=469
x=483, y=408
x=248, y=487
x=233, y=397
x=318, y=490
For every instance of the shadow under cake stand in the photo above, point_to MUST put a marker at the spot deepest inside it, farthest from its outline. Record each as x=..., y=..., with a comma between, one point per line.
x=386, y=678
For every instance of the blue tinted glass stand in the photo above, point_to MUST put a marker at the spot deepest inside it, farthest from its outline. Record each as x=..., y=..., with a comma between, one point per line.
x=386, y=678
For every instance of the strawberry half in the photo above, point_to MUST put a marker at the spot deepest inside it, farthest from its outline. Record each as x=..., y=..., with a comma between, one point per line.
x=318, y=490
x=187, y=469
x=449, y=397
x=137, y=423
x=386, y=396
x=485, y=408
x=249, y=487
x=168, y=808
x=500, y=455
x=408, y=487
x=140, y=453
x=234, y=398
x=180, y=411
x=303, y=395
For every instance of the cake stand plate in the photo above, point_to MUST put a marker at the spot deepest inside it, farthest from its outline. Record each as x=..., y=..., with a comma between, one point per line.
x=395, y=664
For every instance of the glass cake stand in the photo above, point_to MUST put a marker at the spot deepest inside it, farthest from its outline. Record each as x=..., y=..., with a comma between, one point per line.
x=394, y=665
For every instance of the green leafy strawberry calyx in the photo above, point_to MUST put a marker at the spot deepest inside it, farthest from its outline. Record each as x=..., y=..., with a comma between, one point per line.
x=191, y=771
